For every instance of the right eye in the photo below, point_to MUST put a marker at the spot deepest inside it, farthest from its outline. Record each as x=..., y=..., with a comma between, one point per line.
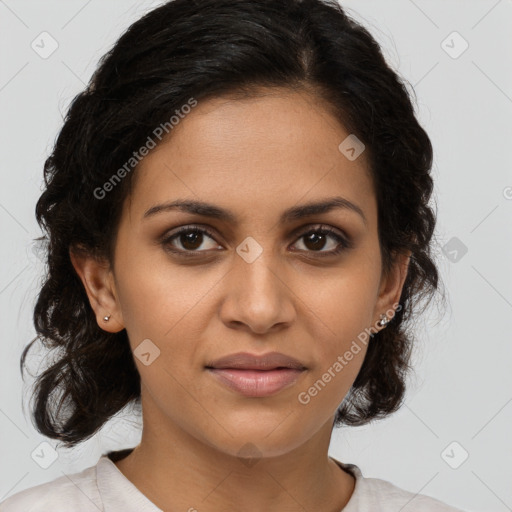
x=190, y=238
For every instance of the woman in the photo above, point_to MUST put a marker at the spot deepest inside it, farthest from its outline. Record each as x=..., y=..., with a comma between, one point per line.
x=238, y=221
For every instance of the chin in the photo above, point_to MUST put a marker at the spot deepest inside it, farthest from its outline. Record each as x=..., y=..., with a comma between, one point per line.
x=260, y=441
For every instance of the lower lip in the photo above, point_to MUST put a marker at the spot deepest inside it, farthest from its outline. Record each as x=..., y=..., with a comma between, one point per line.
x=256, y=383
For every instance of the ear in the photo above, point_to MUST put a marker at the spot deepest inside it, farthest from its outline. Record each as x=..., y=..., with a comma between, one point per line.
x=391, y=286
x=98, y=280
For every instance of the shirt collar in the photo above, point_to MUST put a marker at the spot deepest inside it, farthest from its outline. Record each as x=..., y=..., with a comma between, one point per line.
x=354, y=501
x=117, y=492
x=120, y=495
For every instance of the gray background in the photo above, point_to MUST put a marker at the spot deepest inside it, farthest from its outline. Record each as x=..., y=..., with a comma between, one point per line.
x=461, y=390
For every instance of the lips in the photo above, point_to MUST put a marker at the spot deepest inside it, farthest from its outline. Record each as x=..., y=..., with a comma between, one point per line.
x=257, y=375
x=246, y=361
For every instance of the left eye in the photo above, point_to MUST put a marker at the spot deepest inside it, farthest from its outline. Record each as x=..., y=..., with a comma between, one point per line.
x=315, y=240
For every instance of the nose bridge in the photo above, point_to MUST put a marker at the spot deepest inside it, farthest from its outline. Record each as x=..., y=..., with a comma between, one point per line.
x=255, y=269
x=255, y=294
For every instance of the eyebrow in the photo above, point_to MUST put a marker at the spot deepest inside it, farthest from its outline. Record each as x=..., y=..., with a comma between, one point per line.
x=289, y=215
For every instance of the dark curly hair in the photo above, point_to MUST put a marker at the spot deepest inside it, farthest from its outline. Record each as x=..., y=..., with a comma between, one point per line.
x=205, y=49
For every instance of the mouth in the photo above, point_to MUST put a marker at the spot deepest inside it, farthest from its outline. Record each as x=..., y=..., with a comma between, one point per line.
x=257, y=383
x=257, y=376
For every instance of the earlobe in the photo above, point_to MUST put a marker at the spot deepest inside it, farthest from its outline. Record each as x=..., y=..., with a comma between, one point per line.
x=391, y=288
x=97, y=279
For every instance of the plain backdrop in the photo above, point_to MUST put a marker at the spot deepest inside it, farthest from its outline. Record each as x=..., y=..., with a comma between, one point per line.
x=451, y=439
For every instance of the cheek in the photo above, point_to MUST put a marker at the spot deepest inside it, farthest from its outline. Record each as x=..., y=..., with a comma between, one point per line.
x=155, y=296
x=339, y=354
x=344, y=304
x=343, y=314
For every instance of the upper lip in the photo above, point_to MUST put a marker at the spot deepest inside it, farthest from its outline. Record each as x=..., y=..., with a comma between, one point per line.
x=247, y=361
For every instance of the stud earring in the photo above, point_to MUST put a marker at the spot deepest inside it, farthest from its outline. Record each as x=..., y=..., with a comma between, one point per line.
x=107, y=318
x=384, y=320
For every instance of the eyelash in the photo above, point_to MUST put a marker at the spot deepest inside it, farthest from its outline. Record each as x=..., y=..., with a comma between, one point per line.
x=343, y=243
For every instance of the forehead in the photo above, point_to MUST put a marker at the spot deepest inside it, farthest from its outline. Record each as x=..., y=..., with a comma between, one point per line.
x=251, y=154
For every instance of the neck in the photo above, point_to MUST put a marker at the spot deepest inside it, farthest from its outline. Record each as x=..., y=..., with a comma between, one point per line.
x=178, y=472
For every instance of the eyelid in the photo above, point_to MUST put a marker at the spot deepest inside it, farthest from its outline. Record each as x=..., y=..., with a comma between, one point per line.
x=344, y=240
x=168, y=236
x=318, y=226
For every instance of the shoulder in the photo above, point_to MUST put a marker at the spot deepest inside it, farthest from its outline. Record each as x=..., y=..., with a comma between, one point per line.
x=78, y=491
x=377, y=494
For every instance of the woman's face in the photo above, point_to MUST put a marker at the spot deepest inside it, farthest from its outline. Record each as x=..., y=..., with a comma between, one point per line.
x=263, y=279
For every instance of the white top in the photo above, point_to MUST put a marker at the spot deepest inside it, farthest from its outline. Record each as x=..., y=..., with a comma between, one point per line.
x=104, y=488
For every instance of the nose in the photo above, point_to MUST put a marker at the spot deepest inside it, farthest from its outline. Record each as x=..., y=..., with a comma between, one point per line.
x=258, y=295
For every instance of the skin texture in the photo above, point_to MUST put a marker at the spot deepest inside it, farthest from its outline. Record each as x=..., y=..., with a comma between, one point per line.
x=255, y=157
